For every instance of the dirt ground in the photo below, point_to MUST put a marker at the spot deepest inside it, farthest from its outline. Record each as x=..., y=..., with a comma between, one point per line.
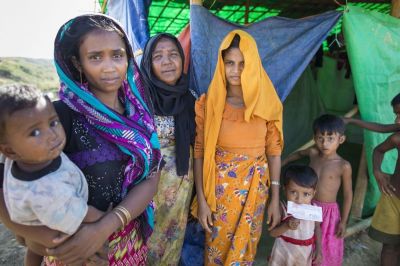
x=11, y=253
x=360, y=250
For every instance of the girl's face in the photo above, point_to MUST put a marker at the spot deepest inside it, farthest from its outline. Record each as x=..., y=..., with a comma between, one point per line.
x=299, y=194
x=166, y=62
x=103, y=61
x=234, y=65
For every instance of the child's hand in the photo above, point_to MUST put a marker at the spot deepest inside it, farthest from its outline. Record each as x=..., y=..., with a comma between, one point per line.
x=317, y=257
x=293, y=223
x=383, y=180
x=341, y=230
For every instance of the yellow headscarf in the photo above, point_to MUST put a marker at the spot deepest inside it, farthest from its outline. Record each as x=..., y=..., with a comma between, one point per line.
x=259, y=96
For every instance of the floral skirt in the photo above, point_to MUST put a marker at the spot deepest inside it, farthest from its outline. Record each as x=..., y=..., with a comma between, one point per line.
x=172, y=203
x=242, y=191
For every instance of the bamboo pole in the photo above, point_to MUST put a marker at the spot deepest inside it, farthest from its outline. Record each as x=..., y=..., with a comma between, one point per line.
x=246, y=14
x=196, y=2
x=358, y=226
x=395, y=8
x=103, y=7
x=361, y=187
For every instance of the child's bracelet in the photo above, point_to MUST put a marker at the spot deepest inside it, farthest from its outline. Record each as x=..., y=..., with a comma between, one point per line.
x=125, y=212
x=120, y=218
x=275, y=182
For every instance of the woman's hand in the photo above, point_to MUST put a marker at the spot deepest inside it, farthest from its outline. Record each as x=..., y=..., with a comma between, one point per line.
x=204, y=215
x=83, y=244
x=274, y=215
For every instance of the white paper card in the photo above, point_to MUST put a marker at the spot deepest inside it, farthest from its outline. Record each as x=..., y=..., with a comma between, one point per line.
x=305, y=211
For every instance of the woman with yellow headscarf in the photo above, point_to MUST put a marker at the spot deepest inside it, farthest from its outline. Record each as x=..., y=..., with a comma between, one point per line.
x=237, y=153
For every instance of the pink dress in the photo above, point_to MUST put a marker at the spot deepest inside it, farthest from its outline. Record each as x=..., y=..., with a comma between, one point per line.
x=294, y=247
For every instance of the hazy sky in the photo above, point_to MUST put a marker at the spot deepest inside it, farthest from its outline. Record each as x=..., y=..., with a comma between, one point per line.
x=28, y=27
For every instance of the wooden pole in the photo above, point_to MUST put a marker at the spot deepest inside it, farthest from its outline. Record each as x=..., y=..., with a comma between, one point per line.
x=196, y=2
x=357, y=227
x=103, y=7
x=246, y=14
x=395, y=10
x=361, y=187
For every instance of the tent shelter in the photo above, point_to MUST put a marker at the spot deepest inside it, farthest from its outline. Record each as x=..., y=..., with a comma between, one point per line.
x=326, y=87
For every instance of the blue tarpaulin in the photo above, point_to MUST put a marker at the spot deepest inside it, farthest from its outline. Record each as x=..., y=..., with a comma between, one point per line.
x=286, y=46
x=132, y=14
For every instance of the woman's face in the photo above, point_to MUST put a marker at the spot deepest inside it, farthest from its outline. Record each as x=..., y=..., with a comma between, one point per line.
x=103, y=60
x=234, y=65
x=166, y=62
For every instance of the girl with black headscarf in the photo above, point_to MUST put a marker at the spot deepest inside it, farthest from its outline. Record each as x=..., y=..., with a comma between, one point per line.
x=173, y=107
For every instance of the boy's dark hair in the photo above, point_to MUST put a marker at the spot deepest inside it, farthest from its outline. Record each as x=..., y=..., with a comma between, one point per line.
x=68, y=42
x=396, y=100
x=302, y=175
x=330, y=124
x=234, y=44
x=14, y=98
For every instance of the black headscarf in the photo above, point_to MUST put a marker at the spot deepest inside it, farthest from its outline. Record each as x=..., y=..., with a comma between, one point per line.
x=174, y=101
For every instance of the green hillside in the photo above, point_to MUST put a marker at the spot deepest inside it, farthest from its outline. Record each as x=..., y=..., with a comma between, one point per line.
x=38, y=72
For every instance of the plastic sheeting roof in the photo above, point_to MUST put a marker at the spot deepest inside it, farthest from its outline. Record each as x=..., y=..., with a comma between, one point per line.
x=173, y=15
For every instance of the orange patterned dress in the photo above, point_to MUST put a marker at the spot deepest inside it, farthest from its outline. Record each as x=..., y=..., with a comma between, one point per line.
x=241, y=183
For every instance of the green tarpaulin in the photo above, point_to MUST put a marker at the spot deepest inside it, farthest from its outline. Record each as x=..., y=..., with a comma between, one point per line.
x=373, y=45
x=300, y=108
